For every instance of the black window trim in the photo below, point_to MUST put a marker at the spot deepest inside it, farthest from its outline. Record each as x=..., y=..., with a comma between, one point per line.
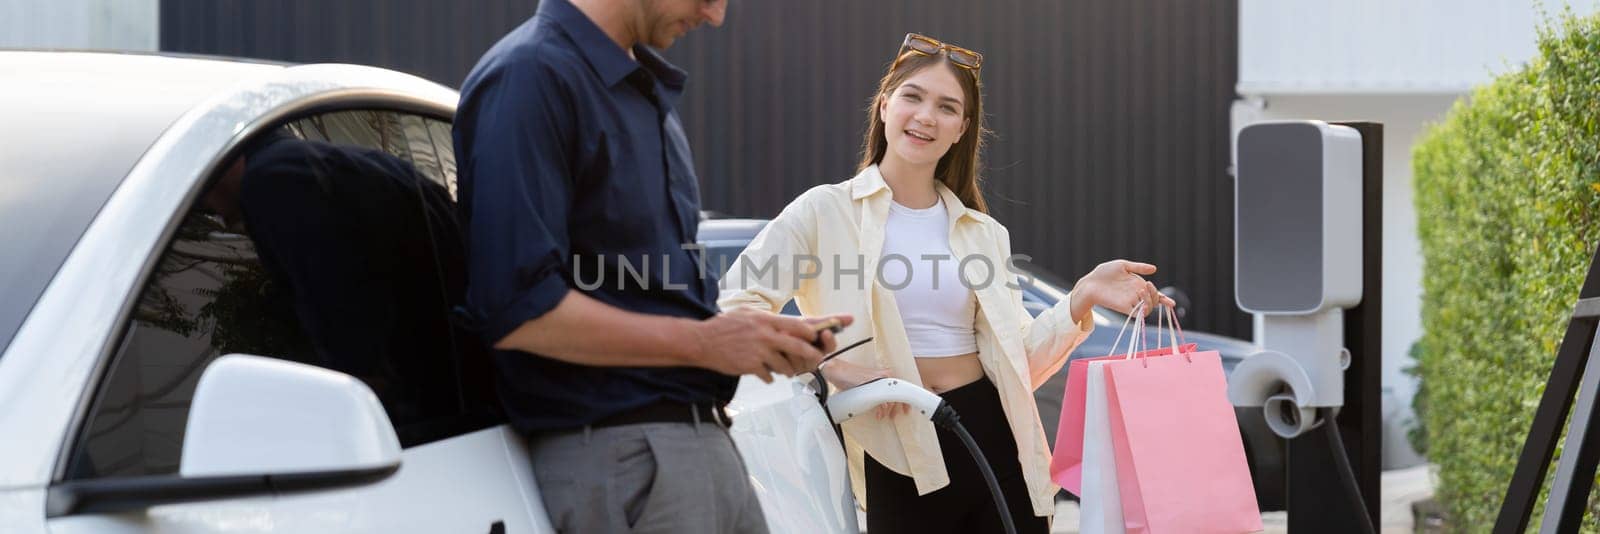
x=126, y=494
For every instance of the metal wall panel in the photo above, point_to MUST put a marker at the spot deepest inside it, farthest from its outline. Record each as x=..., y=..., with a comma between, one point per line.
x=1110, y=117
x=1111, y=121
x=436, y=39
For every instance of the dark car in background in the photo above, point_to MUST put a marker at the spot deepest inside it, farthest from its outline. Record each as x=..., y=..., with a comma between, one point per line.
x=725, y=238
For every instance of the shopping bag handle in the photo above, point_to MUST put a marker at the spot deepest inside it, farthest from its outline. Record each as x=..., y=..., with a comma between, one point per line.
x=1137, y=337
x=1145, y=348
x=1131, y=314
x=1172, y=315
x=1174, y=334
x=1136, y=341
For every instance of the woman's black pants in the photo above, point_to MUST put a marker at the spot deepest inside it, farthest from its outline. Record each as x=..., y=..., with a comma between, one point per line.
x=965, y=505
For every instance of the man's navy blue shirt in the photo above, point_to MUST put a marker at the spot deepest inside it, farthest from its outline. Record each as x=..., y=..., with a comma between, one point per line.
x=575, y=174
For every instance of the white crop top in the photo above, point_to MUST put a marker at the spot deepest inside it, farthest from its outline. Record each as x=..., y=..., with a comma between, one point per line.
x=938, y=310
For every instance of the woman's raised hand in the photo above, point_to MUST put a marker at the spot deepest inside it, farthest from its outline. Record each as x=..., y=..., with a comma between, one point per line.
x=1118, y=285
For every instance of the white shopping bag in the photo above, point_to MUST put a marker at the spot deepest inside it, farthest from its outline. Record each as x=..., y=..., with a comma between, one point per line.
x=1100, y=506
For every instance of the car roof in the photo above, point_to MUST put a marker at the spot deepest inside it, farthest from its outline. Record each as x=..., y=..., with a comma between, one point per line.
x=75, y=124
x=138, y=90
x=721, y=231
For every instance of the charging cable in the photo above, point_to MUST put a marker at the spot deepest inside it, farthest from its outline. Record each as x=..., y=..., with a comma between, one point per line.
x=863, y=398
x=945, y=417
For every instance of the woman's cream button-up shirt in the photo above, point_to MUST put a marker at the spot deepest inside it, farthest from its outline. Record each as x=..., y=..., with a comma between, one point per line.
x=823, y=251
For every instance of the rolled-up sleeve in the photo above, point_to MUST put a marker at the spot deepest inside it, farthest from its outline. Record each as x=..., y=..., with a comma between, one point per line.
x=516, y=153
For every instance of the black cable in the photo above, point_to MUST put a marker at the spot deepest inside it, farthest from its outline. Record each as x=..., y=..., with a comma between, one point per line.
x=1347, y=474
x=822, y=384
x=837, y=352
x=822, y=389
x=822, y=397
x=945, y=417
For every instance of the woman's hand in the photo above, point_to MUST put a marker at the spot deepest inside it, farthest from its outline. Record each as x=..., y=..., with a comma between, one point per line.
x=845, y=375
x=1118, y=285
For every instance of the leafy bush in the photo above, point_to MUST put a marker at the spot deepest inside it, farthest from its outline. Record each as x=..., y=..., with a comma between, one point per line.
x=1507, y=195
x=1417, y=435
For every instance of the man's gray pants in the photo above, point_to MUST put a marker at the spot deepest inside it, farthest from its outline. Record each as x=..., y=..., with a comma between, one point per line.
x=649, y=477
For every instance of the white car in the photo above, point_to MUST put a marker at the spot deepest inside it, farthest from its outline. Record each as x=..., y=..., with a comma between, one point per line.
x=142, y=268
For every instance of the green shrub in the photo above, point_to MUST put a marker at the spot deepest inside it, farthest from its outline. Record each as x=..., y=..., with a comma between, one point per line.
x=1507, y=196
x=1417, y=435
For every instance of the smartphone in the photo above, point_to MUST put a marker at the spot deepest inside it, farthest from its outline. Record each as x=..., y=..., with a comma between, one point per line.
x=831, y=325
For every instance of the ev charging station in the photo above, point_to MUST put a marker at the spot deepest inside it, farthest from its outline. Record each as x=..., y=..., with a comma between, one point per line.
x=1308, y=259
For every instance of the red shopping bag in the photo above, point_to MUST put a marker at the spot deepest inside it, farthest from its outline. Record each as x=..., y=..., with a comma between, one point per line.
x=1066, y=460
x=1180, y=460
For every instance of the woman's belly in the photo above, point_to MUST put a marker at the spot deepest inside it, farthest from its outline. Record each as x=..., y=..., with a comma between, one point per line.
x=944, y=374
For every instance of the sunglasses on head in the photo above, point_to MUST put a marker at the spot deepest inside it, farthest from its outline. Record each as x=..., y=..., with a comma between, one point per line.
x=929, y=46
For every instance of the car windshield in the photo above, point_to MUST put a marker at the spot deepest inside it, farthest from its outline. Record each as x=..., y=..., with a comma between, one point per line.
x=70, y=142
x=52, y=187
x=1046, y=286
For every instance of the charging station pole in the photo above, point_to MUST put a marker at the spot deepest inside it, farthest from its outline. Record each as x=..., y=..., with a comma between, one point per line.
x=1308, y=248
x=1315, y=499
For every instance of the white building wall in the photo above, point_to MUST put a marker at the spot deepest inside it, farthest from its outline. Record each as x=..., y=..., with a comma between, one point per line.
x=80, y=24
x=1384, y=46
x=1399, y=63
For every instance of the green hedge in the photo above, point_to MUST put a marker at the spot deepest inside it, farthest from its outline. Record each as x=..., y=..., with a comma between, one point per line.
x=1507, y=197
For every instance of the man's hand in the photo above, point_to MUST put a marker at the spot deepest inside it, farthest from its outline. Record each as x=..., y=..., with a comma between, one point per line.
x=760, y=343
x=585, y=331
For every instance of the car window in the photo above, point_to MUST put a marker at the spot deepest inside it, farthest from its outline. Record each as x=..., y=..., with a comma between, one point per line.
x=331, y=240
x=439, y=133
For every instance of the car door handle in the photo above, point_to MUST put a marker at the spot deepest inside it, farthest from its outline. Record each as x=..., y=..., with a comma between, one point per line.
x=499, y=527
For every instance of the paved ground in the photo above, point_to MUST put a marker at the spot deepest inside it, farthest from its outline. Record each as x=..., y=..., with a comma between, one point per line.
x=1400, y=489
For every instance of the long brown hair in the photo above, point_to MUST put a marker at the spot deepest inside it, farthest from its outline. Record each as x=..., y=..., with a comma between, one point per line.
x=958, y=168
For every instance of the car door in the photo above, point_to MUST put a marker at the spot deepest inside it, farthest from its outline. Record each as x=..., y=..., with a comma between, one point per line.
x=330, y=240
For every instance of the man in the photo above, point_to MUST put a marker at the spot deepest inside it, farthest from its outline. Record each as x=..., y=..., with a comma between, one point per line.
x=575, y=176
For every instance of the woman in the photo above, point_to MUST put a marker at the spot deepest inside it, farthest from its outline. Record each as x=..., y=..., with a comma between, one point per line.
x=907, y=244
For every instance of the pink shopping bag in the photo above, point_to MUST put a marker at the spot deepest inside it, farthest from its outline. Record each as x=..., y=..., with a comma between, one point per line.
x=1180, y=459
x=1066, y=460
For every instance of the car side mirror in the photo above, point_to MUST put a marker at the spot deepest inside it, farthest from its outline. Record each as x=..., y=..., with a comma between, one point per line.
x=1179, y=298
x=263, y=416
x=257, y=426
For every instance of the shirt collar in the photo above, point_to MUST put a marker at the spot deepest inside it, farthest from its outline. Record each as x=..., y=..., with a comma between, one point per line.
x=866, y=183
x=604, y=56
x=671, y=77
x=870, y=182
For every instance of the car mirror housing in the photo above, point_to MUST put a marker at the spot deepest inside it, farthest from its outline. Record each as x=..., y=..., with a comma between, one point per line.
x=262, y=416
x=1179, y=298
x=257, y=426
